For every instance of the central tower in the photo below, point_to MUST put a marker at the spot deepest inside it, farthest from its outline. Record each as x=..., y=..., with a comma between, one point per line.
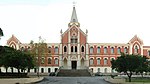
x=73, y=45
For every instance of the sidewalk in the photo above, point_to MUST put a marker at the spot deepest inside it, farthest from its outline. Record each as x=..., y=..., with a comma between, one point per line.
x=20, y=80
x=121, y=81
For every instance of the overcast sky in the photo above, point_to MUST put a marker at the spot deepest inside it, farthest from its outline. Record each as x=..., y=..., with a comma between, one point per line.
x=107, y=21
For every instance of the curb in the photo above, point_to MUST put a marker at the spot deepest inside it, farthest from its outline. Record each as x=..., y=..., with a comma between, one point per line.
x=38, y=80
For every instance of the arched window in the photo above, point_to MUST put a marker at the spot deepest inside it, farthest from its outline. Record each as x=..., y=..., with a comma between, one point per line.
x=22, y=48
x=49, y=49
x=42, y=60
x=105, y=70
x=56, y=50
x=91, y=50
x=112, y=59
x=71, y=48
x=42, y=70
x=56, y=60
x=65, y=49
x=98, y=69
x=105, y=61
x=91, y=61
x=112, y=50
x=119, y=50
x=35, y=70
x=98, y=61
x=98, y=50
x=29, y=48
x=136, y=49
x=125, y=50
x=105, y=50
x=49, y=70
x=82, y=49
x=49, y=60
x=75, y=48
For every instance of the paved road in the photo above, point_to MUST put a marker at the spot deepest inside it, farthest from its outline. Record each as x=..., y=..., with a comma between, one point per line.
x=73, y=80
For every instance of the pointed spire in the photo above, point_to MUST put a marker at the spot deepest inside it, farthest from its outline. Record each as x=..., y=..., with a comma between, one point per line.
x=74, y=15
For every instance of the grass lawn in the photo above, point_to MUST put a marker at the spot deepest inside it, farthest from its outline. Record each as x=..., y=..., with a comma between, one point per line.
x=139, y=79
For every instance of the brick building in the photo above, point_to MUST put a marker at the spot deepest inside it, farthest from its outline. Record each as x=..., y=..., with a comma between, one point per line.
x=74, y=52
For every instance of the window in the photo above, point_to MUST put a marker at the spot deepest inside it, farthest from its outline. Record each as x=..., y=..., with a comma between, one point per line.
x=136, y=49
x=125, y=50
x=148, y=53
x=91, y=61
x=34, y=70
x=82, y=49
x=119, y=50
x=49, y=70
x=98, y=50
x=42, y=60
x=98, y=61
x=105, y=61
x=71, y=48
x=28, y=47
x=56, y=69
x=105, y=50
x=65, y=49
x=98, y=69
x=56, y=60
x=75, y=48
x=49, y=49
x=22, y=49
x=56, y=50
x=28, y=70
x=42, y=70
x=105, y=70
x=91, y=50
x=112, y=50
x=112, y=59
x=49, y=60
x=74, y=40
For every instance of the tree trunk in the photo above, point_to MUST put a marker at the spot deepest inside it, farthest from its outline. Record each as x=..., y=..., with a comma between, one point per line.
x=142, y=75
x=6, y=69
x=129, y=78
x=129, y=75
x=18, y=71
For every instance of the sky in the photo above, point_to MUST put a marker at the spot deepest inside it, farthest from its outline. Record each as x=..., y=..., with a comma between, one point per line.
x=107, y=21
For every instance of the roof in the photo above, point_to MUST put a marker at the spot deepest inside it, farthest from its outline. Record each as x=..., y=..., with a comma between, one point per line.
x=74, y=16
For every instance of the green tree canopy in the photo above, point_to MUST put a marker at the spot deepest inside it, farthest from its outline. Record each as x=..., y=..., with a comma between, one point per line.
x=10, y=57
x=128, y=64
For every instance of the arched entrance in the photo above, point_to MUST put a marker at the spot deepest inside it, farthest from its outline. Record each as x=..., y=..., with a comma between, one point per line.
x=65, y=63
x=74, y=64
x=82, y=64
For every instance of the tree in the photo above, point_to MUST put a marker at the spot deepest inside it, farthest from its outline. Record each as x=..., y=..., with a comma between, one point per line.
x=38, y=50
x=1, y=32
x=144, y=66
x=6, y=56
x=10, y=57
x=127, y=63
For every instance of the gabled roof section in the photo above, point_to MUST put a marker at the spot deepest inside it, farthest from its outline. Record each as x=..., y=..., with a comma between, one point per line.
x=74, y=16
x=136, y=38
x=13, y=38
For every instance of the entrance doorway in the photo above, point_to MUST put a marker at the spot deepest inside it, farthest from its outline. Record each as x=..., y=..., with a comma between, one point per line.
x=74, y=64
